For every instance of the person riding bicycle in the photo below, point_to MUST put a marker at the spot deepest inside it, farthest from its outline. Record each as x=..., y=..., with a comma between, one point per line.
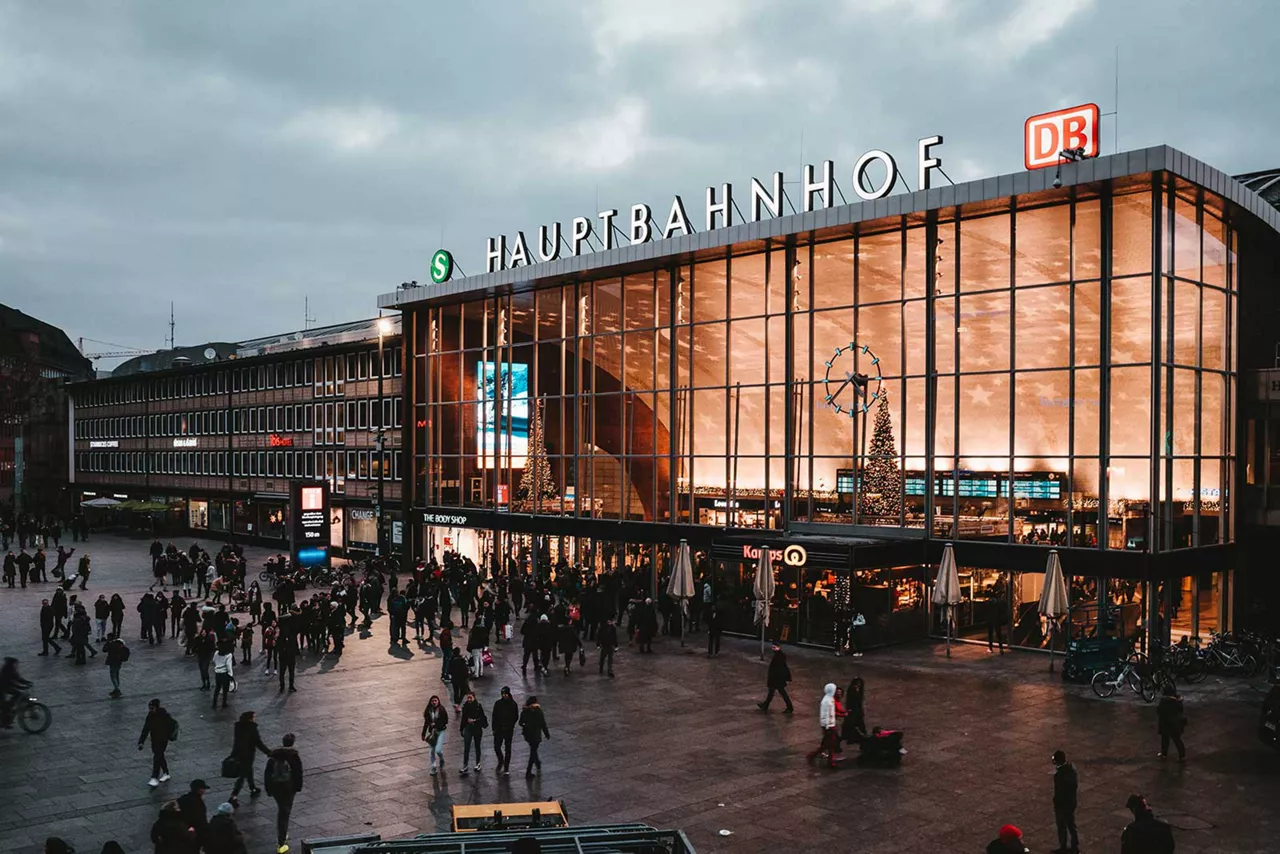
x=12, y=685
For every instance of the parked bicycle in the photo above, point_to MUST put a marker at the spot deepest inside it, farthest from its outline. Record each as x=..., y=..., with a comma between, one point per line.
x=1133, y=672
x=1222, y=654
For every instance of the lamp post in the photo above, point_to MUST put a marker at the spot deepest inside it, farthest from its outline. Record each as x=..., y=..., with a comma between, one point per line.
x=384, y=327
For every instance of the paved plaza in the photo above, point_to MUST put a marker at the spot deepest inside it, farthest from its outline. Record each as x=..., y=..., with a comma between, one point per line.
x=675, y=741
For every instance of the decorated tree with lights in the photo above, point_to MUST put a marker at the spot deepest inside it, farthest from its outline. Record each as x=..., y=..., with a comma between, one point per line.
x=880, y=492
x=536, y=483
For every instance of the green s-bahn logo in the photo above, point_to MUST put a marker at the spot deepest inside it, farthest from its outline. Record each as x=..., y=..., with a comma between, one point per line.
x=441, y=266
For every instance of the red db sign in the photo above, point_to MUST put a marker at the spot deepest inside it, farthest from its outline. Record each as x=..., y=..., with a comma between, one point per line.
x=1049, y=134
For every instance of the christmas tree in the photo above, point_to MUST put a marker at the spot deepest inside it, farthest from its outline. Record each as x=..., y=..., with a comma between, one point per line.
x=880, y=492
x=536, y=483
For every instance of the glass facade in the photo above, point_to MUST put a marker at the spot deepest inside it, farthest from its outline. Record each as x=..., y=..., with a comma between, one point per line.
x=1055, y=369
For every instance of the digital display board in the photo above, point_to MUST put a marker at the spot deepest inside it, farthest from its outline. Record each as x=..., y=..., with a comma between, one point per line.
x=497, y=437
x=309, y=522
x=1036, y=485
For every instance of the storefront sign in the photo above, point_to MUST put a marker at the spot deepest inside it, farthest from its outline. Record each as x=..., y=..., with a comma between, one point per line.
x=718, y=211
x=452, y=520
x=791, y=555
x=185, y=443
x=309, y=516
x=275, y=440
x=1047, y=135
x=104, y=443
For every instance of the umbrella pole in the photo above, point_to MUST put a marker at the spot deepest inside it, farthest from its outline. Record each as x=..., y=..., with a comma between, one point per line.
x=946, y=615
x=762, y=639
x=1053, y=641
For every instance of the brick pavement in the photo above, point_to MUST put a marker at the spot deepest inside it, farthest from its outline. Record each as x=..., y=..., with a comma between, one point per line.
x=675, y=740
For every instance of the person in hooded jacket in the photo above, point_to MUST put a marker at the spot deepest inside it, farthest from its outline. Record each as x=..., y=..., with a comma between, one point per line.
x=533, y=723
x=459, y=676
x=1146, y=834
x=1007, y=841
x=283, y=781
x=827, y=722
x=171, y=834
x=223, y=836
x=529, y=643
x=776, y=680
x=48, y=631
x=854, y=728
x=472, y=723
x=506, y=714
x=546, y=642
x=60, y=614
x=117, y=614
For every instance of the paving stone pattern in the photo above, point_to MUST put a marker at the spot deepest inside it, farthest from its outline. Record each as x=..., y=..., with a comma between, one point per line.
x=675, y=740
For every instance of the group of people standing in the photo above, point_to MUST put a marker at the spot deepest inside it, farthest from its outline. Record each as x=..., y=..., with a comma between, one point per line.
x=472, y=722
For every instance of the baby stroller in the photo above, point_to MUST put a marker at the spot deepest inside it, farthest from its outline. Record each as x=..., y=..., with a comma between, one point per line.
x=883, y=747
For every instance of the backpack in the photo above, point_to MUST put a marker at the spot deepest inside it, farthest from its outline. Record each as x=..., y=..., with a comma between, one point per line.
x=281, y=774
x=173, y=728
x=124, y=653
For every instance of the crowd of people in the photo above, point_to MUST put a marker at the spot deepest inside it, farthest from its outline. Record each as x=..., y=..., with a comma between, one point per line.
x=221, y=620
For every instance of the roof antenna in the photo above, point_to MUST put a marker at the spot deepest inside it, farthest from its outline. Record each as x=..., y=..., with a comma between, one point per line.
x=307, y=319
x=172, y=344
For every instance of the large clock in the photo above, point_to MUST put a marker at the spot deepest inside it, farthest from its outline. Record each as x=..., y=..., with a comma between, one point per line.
x=849, y=391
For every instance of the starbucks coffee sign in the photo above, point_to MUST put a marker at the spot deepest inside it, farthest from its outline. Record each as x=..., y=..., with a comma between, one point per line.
x=817, y=191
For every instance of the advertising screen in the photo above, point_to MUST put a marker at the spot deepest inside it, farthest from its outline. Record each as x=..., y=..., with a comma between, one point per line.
x=310, y=523
x=496, y=437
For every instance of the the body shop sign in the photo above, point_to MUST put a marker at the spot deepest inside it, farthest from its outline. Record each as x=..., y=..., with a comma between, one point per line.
x=309, y=516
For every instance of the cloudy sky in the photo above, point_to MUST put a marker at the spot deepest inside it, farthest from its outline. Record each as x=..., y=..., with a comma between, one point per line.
x=237, y=157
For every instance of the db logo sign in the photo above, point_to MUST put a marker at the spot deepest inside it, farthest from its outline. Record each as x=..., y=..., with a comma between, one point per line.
x=1049, y=134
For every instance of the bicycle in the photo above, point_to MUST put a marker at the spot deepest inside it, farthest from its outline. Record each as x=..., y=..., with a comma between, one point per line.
x=32, y=715
x=1127, y=672
x=267, y=577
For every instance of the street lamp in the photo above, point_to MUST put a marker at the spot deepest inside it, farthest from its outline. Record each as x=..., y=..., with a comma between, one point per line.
x=384, y=329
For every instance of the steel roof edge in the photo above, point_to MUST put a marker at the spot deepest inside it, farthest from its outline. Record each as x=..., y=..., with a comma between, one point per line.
x=1112, y=166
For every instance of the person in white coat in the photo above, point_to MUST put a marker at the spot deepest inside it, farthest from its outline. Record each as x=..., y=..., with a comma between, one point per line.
x=224, y=661
x=827, y=715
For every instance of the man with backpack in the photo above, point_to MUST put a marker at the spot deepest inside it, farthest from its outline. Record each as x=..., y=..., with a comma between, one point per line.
x=283, y=779
x=162, y=728
x=117, y=654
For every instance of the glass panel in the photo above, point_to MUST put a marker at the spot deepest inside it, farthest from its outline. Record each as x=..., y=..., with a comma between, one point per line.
x=1131, y=234
x=984, y=332
x=945, y=334
x=1211, y=414
x=1210, y=502
x=984, y=419
x=1186, y=322
x=1214, y=329
x=1184, y=412
x=748, y=293
x=913, y=318
x=709, y=292
x=914, y=284
x=639, y=355
x=879, y=267
x=1042, y=414
x=1084, y=502
x=641, y=312
x=709, y=420
x=1086, y=409
x=747, y=348
x=1043, y=324
x=1130, y=411
x=1087, y=238
x=1215, y=251
x=1088, y=319
x=833, y=274
x=709, y=340
x=607, y=301
x=777, y=351
x=783, y=281
x=944, y=273
x=1131, y=320
x=1044, y=245
x=880, y=328
x=1186, y=240
x=944, y=433
x=984, y=253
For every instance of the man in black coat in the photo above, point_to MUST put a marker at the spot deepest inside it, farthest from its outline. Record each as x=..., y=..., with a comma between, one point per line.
x=194, y=812
x=607, y=643
x=283, y=780
x=529, y=642
x=246, y=740
x=47, y=633
x=1146, y=834
x=506, y=713
x=776, y=680
x=1065, y=784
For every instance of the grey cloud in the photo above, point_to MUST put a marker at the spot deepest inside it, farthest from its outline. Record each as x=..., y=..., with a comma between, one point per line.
x=236, y=157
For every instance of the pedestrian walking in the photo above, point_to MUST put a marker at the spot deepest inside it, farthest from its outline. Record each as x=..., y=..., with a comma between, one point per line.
x=101, y=613
x=472, y=722
x=1171, y=716
x=715, y=625
x=459, y=674
x=446, y=648
x=48, y=630
x=435, y=731
x=193, y=809
x=171, y=834
x=827, y=722
x=997, y=619
x=224, y=673
x=1146, y=834
x=1008, y=841
x=570, y=644
x=283, y=781
x=83, y=571
x=117, y=654
x=1065, y=784
x=529, y=637
x=116, y=607
x=854, y=728
x=477, y=643
x=245, y=741
x=506, y=714
x=776, y=681
x=533, y=724
x=162, y=729
x=223, y=836
x=59, y=603
x=607, y=643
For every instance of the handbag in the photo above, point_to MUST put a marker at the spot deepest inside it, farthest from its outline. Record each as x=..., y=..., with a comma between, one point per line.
x=231, y=767
x=487, y=657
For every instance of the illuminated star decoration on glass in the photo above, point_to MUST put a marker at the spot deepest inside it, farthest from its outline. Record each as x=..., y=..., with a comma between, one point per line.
x=847, y=390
